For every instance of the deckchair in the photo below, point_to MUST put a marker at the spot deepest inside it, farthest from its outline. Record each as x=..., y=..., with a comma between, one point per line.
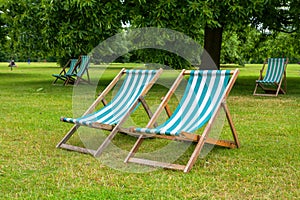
x=111, y=117
x=72, y=64
x=275, y=76
x=205, y=94
x=77, y=77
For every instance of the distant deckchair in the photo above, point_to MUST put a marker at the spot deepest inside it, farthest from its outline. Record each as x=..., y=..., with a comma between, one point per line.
x=204, y=96
x=72, y=64
x=111, y=117
x=77, y=76
x=275, y=76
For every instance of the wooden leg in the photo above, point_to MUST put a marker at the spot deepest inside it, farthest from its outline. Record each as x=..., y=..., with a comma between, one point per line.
x=254, y=93
x=233, y=130
x=195, y=154
x=106, y=142
x=115, y=131
x=66, y=81
x=67, y=136
x=54, y=81
x=147, y=109
x=134, y=148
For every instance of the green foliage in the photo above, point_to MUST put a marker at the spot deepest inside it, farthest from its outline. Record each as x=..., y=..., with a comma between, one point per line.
x=162, y=57
x=22, y=19
x=3, y=34
x=284, y=45
x=76, y=27
x=181, y=16
x=252, y=46
x=60, y=28
x=64, y=29
x=277, y=15
x=241, y=43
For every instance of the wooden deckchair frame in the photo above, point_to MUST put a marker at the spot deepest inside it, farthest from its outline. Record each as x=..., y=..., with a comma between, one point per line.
x=63, y=72
x=271, y=91
x=199, y=139
x=114, y=129
x=75, y=78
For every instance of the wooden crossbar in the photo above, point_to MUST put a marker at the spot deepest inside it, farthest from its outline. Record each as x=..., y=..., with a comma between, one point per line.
x=78, y=149
x=157, y=164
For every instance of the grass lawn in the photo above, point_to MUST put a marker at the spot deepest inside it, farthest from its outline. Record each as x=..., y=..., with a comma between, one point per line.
x=265, y=167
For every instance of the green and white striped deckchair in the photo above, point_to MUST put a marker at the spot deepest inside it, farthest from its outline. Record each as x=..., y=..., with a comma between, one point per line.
x=110, y=117
x=77, y=76
x=275, y=76
x=205, y=94
x=72, y=64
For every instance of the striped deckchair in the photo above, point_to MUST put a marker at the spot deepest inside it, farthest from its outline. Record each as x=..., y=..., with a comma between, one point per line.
x=205, y=94
x=275, y=76
x=72, y=64
x=76, y=77
x=110, y=117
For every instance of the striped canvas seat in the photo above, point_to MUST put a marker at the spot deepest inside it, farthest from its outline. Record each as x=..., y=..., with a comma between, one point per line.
x=205, y=94
x=113, y=114
x=134, y=83
x=275, y=75
x=77, y=74
x=72, y=64
x=274, y=72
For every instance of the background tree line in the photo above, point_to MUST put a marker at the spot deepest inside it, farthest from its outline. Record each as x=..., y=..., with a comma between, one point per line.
x=233, y=31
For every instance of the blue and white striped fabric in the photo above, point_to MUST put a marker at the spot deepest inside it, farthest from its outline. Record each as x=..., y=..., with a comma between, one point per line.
x=83, y=65
x=274, y=72
x=203, y=94
x=72, y=65
x=70, y=71
x=134, y=83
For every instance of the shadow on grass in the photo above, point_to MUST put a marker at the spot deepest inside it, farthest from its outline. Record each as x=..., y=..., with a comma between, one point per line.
x=245, y=85
x=15, y=75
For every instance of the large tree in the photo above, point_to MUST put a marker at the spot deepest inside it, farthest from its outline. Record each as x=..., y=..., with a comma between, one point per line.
x=72, y=27
x=214, y=17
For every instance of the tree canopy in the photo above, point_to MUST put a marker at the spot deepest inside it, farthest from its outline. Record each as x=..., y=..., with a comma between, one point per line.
x=60, y=28
x=231, y=30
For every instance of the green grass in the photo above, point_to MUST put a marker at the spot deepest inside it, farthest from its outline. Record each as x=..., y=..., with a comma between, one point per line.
x=265, y=167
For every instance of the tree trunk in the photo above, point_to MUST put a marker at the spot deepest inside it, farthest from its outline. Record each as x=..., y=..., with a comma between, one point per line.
x=212, y=44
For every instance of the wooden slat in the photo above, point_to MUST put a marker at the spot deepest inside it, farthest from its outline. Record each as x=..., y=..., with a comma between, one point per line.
x=156, y=163
x=102, y=126
x=147, y=108
x=266, y=95
x=222, y=143
x=67, y=136
x=165, y=100
x=167, y=108
x=189, y=136
x=76, y=148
